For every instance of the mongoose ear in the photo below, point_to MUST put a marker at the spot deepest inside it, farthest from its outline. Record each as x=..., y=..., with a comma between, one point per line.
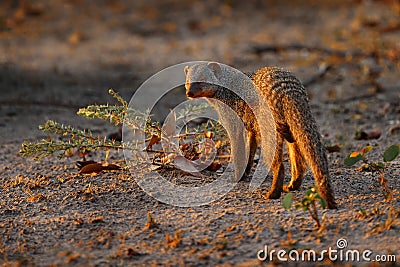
x=216, y=68
x=186, y=69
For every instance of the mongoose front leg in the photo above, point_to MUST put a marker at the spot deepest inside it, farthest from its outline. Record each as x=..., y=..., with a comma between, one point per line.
x=252, y=141
x=298, y=166
x=278, y=170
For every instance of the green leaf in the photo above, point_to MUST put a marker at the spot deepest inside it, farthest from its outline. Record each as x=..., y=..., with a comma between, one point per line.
x=352, y=159
x=309, y=192
x=306, y=201
x=287, y=201
x=391, y=153
x=323, y=203
x=380, y=165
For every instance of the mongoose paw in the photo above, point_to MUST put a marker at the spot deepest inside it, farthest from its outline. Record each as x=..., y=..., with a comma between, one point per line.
x=332, y=205
x=244, y=177
x=286, y=188
x=275, y=194
x=290, y=187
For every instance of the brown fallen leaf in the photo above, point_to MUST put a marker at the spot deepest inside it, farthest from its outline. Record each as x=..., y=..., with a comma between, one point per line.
x=190, y=150
x=75, y=37
x=94, y=167
x=362, y=135
x=81, y=164
x=154, y=139
x=131, y=253
x=375, y=134
x=333, y=148
x=111, y=167
x=91, y=168
x=394, y=130
x=184, y=164
x=169, y=127
x=215, y=166
x=391, y=27
x=96, y=219
x=173, y=241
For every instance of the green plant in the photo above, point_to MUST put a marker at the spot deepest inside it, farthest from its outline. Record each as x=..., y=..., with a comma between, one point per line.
x=65, y=139
x=390, y=154
x=308, y=203
x=71, y=138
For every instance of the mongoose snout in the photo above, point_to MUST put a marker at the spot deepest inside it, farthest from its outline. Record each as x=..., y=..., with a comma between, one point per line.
x=199, y=89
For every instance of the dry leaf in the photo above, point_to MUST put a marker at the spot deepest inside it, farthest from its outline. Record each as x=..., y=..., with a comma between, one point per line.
x=169, y=126
x=169, y=27
x=215, y=166
x=362, y=135
x=111, y=167
x=96, y=219
x=374, y=134
x=154, y=139
x=131, y=253
x=81, y=164
x=173, y=241
x=75, y=37
x=190, y=151
x=394, y=130
x=184, y=164
x=333, y=148
x=91, y=168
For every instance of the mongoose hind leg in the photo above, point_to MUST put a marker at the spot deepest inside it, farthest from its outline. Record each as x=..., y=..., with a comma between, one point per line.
x=298, y=166
x=278, y=170
x=252, y=141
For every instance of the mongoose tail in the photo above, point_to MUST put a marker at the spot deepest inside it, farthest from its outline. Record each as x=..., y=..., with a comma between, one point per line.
x=307, y=148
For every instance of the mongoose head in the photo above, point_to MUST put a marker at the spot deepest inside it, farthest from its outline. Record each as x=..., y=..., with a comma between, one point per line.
x=202, y=79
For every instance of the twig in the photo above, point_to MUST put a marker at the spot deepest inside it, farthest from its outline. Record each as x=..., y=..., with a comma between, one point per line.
x=350, y=99
x=321, y=73
x=22, y=103
x=273, y=48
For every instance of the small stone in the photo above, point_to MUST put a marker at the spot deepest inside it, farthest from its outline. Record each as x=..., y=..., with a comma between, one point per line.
x=395, y=129
x=388, y=81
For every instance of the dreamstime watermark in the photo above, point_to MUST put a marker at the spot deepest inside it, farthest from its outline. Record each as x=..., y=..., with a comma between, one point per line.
x=145, y=99
x=340, y=253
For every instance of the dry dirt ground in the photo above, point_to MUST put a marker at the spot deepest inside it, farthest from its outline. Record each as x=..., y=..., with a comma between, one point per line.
x=57, y=56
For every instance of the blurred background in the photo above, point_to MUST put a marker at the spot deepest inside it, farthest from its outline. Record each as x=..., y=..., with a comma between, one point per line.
x=59, y=55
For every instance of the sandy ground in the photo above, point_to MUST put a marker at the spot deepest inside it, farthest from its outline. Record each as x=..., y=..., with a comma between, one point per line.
x=57, y=56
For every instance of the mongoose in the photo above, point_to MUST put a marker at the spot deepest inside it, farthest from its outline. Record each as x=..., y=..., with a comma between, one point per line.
x=294, y=122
